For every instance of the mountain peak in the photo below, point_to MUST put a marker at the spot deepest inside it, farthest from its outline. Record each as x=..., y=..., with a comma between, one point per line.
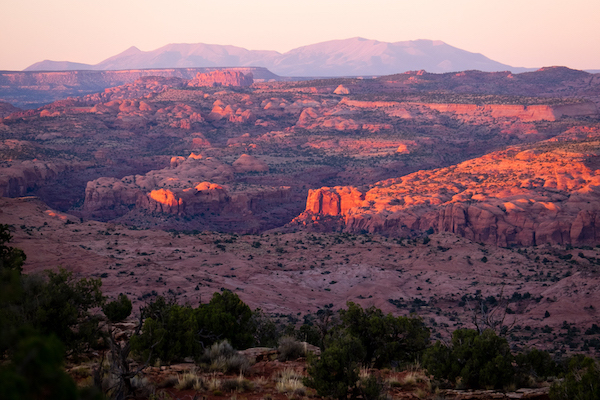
x=355, y=56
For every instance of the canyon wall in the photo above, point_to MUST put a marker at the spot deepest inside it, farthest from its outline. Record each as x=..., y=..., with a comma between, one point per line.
x=222, y=78
x=18, y=178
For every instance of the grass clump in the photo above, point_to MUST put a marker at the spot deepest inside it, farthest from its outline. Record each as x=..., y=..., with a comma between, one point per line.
x=290, y=381
x=238, y=384
x=188, y=380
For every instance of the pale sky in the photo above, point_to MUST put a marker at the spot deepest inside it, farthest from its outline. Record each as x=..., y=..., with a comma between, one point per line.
x=520, y=33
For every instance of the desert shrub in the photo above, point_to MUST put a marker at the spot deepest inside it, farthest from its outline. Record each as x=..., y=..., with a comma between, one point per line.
x=61, y=306
x=119, y=309
x=290, y=349
x=168, y=333
x=581, y=381
x=337, y=372
x=226, y=316
x=387, y=340
x=42, y=317
x=11, y=258
x=310, y=334
x=476, y=360
x=172, y=332
x=221, y=356
x=265, y=330
x=537, y=364
x=217, y=350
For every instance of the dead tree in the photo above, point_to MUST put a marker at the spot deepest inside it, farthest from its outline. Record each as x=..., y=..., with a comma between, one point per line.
x=120, y=367
x=492, y=317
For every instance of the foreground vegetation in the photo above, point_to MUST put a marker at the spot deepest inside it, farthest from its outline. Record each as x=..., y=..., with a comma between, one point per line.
x=45, y=320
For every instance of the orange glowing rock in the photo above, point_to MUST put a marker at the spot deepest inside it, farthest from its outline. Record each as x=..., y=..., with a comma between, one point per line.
x=341, y=89
x=165, y=197
x=207, y=186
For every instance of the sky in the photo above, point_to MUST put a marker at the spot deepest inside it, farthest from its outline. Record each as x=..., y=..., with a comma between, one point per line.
x=520, y=33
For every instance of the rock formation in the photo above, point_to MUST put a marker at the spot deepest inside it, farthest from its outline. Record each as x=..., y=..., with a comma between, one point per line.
x=7, y=109
x=17, y=178
x=548, y=194
x=341, y=89
x=221, y=78
x=248, y=163
x=194, y=187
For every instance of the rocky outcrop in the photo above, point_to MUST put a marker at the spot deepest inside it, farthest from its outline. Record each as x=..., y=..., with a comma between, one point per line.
x=221, y=78
x=341, y=89
x=513, y=197
x=334, y=201
x=313, y=119
x=520, y=112
x=17, y=178
x=7, y=109
x=194, y=187
x=247, y=163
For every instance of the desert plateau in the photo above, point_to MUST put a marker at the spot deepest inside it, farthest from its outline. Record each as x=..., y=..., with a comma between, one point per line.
x=461, y=200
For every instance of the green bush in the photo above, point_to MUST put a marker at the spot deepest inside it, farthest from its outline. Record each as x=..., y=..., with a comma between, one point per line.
x=226, y=316
x=36, y=372
x=479, y=360
x=169, y=332
x=387, y=340
x=581, y=382
x=265, y=330
x=61, y=307
x=172, y=332
x=537, y=364
x=119, y=309
x=336, y=373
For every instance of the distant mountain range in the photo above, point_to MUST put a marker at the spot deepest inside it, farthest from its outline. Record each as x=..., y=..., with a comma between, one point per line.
x=349, y=57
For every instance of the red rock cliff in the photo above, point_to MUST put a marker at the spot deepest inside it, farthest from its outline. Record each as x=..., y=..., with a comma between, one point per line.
x=222, y=78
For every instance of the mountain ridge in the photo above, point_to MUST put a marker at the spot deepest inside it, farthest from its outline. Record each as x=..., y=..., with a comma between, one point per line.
x=345, y=57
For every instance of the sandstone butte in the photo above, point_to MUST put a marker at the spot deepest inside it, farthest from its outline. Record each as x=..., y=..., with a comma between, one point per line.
x=222, y=78
x=547, y=194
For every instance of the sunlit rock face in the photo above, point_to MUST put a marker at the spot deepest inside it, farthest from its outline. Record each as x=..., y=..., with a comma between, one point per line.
x=548, y=194
x=222, y=78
